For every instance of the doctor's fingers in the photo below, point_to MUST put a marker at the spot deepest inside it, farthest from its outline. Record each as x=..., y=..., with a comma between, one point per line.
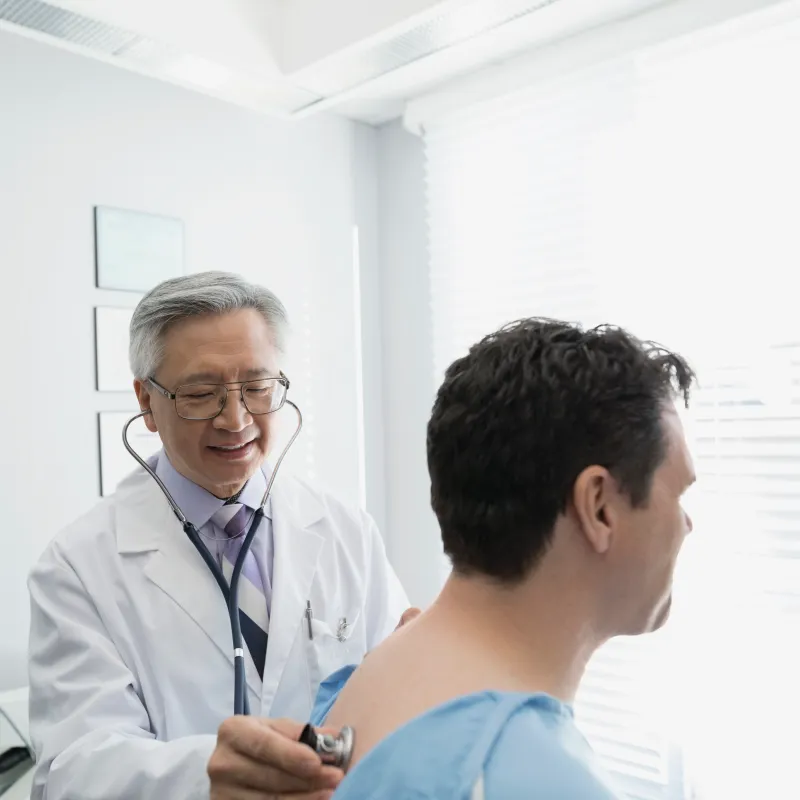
x=409, y=615
x=235, y=793
x=273, y=742
x=265, y=755
x=233, y=776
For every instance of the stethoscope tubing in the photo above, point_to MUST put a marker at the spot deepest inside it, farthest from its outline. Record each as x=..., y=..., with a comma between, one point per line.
x=230, y=593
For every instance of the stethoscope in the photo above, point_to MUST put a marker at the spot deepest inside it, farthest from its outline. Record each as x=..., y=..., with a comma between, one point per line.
x=334, y=750
x=230, y=593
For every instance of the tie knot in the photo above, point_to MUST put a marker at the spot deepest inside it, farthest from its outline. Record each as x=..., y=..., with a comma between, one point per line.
x=232, y=518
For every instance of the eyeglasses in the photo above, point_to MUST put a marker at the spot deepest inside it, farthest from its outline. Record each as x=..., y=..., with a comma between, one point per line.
x=196, y=401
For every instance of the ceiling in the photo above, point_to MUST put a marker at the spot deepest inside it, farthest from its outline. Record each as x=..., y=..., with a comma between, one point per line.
x=291, y=58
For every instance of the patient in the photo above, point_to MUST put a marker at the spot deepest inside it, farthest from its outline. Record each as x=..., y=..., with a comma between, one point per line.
x=557, y=462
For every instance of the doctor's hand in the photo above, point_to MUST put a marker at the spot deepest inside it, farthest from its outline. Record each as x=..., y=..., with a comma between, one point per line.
x=261, y=759
x=409, y=615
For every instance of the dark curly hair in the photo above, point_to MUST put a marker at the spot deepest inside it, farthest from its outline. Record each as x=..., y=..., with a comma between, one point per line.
x=522, y=415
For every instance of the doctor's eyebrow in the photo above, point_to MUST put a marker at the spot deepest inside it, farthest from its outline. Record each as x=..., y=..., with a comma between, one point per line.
x=215, y=377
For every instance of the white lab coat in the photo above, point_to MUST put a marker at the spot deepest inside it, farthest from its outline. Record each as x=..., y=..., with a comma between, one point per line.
x=131, y=666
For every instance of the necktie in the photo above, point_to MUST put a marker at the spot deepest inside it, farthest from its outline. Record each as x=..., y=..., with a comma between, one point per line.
x=234, y=519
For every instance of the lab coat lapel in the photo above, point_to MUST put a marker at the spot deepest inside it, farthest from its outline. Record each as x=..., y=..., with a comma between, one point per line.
x=145, y=522
x=296, y=555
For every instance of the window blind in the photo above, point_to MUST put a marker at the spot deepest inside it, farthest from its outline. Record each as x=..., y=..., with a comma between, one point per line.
x=659, y=191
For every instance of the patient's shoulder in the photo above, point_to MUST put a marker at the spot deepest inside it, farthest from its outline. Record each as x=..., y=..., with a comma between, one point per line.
x=523, y=746
x=540, y=754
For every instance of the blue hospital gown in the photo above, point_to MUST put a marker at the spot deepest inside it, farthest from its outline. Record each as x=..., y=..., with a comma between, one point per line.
x=492, y=745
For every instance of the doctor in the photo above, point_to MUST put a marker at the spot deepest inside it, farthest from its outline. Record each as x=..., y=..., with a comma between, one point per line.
x=131, y=668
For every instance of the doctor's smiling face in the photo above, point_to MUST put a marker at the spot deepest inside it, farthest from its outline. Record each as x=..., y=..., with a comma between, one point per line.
x=222, y=453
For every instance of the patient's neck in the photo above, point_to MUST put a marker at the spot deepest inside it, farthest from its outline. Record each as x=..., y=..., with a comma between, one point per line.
x=536, y=636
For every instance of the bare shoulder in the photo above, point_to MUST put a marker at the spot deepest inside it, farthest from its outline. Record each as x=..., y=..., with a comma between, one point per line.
x=401, y=679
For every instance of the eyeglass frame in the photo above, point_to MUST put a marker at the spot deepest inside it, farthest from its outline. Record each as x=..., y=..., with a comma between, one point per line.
x=282, y=379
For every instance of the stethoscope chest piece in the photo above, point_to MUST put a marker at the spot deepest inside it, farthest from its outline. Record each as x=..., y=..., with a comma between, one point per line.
x=337, y=751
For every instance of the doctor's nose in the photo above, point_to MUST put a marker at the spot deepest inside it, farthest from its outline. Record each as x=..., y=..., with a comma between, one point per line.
x=234, y=415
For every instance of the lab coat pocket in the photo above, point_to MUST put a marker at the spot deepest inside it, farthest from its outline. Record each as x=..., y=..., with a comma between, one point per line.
x=331, y=647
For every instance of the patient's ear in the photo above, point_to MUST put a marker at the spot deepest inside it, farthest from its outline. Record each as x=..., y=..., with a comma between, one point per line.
x=594, y=497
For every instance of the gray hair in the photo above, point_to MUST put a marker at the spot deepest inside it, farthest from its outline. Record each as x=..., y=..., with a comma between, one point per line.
x=192, y=296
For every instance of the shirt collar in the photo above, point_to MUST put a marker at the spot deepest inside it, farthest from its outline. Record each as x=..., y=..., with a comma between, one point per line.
x=199, y=505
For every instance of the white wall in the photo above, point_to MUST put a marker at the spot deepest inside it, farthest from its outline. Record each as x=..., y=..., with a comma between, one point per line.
x=268, y=199
x=409, y=383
